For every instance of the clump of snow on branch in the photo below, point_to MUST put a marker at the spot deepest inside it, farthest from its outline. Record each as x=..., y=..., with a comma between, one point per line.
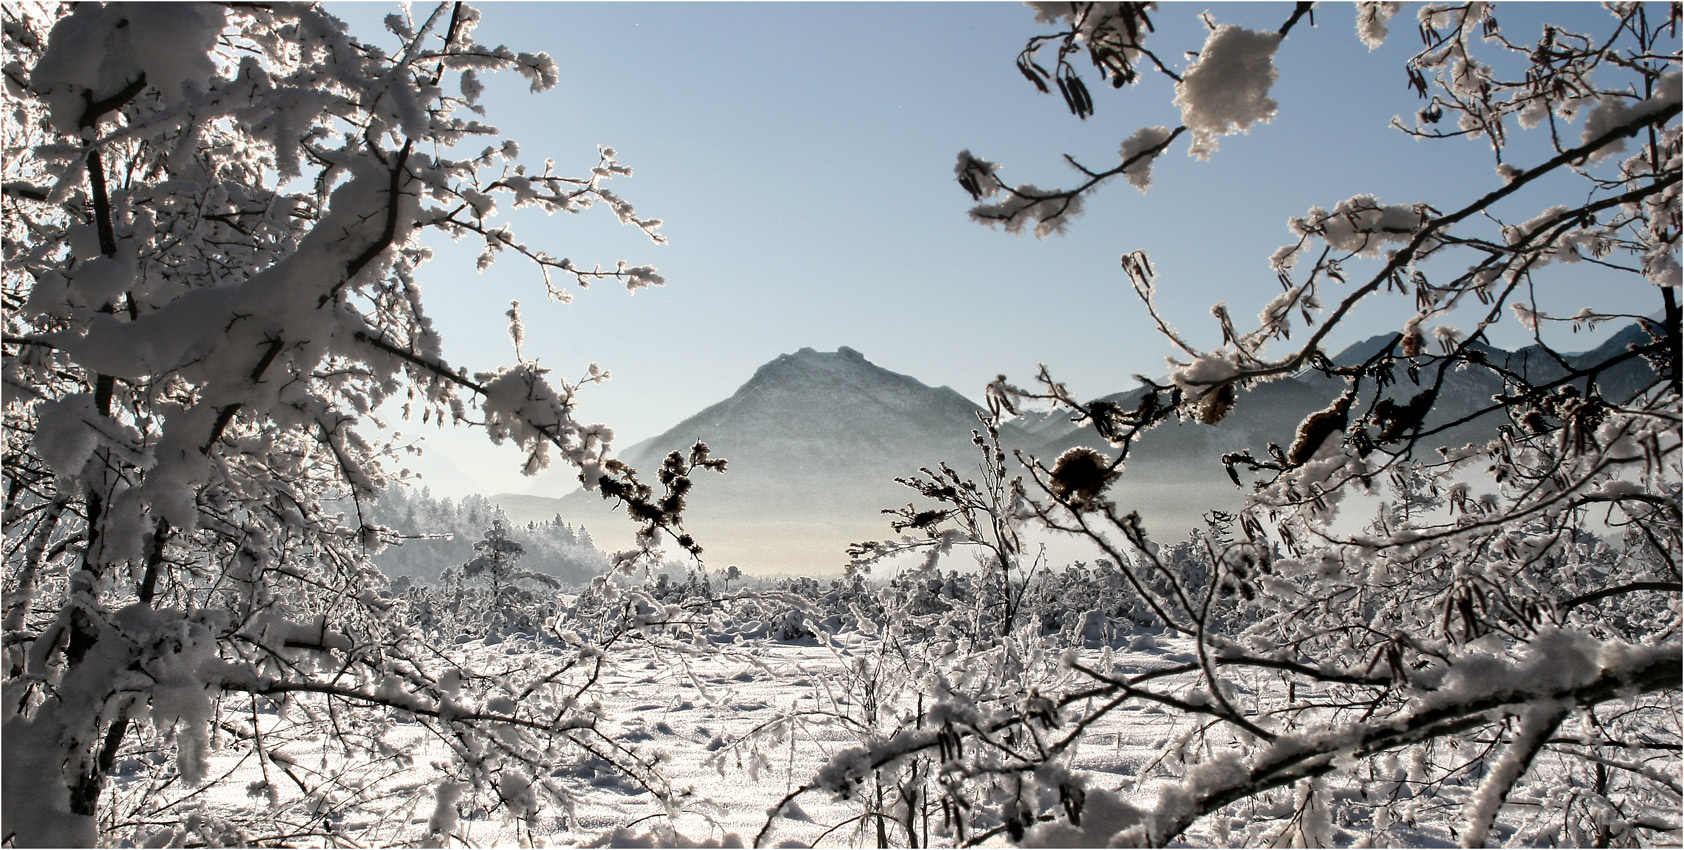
x=976, y=175
x=1372, y=18
x=443, y=821
x=1612, y=111
x=1227, y=89
x=100, y=49
x=521, y=405
x=1052, y=11
x=1139, y=173
x=1050, y=210
x=1360, y=225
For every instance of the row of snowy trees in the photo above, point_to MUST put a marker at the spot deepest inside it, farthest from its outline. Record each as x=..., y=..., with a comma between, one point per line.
x=437, y=534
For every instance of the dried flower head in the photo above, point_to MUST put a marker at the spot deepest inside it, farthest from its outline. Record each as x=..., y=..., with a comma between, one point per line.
x=1080, y=475
x=1215, y=405
x=1318, y=426
x=1413, y=343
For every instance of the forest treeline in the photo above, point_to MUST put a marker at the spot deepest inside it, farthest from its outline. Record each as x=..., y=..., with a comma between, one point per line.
x=436, y=533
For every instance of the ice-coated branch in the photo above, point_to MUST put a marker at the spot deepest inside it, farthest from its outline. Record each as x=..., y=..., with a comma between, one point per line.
x=1051, y=210
x=1644, y=670
x=1429, y=233
x=1536, y=723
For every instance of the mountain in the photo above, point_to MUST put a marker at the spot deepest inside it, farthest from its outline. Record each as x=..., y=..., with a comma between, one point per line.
x=1175, y=473
x=1617, y=384
x=815, y=441
x=811, y=411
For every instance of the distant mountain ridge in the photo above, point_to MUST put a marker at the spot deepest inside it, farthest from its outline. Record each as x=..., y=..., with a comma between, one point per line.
x=815, y=440
x=1175, y=474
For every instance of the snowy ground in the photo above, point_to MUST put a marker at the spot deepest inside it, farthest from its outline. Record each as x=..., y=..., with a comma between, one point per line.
x=726, y=700
x=701, y=712
x=696, y=710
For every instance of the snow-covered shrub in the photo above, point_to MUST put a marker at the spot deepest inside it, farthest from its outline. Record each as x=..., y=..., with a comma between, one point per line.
x=213, y=221
x=983, y=517
x=921, y=679
x=951, y=652
x=1494, y=656
x=489, y=594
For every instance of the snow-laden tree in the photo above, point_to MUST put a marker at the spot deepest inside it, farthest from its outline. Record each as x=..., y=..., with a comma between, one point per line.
x=213, y=226
x=506, y=596
x=1402, y=639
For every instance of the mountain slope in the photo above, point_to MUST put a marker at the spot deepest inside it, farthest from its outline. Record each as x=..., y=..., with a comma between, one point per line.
x=815, y=441
x=810, y=411
x=1175, y=472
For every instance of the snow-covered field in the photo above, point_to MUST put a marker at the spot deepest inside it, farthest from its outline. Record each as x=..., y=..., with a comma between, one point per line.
x=737, y=728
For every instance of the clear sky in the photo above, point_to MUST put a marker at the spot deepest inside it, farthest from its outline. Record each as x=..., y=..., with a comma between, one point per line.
x=801, y=155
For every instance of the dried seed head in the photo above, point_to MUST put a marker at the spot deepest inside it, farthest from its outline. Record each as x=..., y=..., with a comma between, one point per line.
x=1080, y=475
x=1214, y=407
x=1318, y=427
x=1414, y=343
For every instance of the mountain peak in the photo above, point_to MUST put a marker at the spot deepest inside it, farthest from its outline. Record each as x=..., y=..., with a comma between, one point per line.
x=841, y=353
x=808, y=365
x=812, y=395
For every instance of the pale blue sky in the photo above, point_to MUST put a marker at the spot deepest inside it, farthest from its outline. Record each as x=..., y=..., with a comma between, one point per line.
x=801, y=155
